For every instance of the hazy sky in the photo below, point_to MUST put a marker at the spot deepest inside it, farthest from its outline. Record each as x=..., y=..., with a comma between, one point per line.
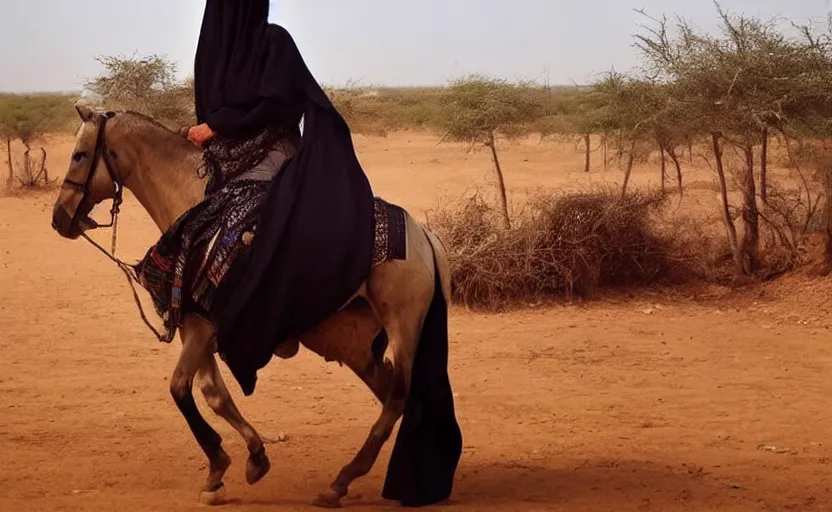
x=50, y=45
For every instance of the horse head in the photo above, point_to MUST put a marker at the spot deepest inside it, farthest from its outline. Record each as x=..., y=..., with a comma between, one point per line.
x=91, y=177
x=118, y=150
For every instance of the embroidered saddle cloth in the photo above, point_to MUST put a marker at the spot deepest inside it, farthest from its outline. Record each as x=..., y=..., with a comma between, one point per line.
x=184, y=269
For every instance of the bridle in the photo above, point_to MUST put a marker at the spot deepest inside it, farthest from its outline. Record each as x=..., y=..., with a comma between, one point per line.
x=100, y=152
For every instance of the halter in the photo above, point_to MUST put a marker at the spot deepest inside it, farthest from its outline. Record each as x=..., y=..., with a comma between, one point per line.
x=100, y=152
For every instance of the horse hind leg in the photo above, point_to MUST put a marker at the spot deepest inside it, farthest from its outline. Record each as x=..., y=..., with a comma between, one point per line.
x=377, y=373
x=372, y=368
x=219, y=400
x=354, y=337
x=402, y=311
x=404, y=339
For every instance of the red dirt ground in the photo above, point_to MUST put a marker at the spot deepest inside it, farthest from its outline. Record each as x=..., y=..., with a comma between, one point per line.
x=636, y=403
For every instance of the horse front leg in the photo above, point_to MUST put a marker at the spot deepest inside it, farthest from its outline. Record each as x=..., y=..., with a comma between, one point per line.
x=197, y=335
x=219, y=400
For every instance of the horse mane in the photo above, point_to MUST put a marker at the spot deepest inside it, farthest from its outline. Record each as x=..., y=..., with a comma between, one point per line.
x=146, y=119
x=143, y=124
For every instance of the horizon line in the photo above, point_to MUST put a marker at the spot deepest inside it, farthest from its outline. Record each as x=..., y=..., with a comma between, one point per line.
x=80, y=92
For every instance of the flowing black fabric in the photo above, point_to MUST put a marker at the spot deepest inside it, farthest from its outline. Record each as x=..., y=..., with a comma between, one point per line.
x=429, y=443
x=313, y=243
x=247, y=72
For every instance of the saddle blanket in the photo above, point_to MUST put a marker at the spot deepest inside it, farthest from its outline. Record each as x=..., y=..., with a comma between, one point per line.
x=192, y=258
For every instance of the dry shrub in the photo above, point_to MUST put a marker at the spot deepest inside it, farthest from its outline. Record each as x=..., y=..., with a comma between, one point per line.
x=32, y=170
x=787, y=217
x=699, y=248
x=561, y=244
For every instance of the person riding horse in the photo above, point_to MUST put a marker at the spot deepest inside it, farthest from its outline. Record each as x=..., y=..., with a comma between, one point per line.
x=302, y=195
x=248, y=103
x=285, y=233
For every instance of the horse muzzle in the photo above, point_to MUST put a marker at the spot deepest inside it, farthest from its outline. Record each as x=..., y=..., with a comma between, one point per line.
x=62, y=223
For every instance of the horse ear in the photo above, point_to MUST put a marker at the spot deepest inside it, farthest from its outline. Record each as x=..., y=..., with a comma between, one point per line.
x=85, y=113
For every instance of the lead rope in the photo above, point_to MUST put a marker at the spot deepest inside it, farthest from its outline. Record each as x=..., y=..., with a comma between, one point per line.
x=125, y=267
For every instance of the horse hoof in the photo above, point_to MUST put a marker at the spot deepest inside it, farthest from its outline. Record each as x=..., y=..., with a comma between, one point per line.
x=328, y=500
x=213, y=498
x=257, y=467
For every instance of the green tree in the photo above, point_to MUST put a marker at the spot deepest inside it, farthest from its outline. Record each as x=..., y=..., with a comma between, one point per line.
x=633, y=108
x=576, y=115
x=806, y=125
x=736, y=87
x=28, y=118
x=480, y=110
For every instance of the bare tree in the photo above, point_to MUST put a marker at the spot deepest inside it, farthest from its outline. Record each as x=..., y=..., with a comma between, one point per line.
x=6, y=136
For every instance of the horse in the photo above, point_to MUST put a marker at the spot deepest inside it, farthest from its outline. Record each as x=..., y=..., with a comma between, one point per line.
x=159, y=167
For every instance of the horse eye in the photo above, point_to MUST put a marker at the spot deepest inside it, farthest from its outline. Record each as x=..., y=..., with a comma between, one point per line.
x=80, y=155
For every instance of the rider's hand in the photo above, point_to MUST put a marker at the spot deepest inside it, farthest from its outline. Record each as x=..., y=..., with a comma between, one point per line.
x=200, y=133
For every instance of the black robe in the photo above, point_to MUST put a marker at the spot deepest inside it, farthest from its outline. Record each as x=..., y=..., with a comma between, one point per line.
x=313, y=244
x=248, y=72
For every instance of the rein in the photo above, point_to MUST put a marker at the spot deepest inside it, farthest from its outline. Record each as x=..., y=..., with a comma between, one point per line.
x=100, y=153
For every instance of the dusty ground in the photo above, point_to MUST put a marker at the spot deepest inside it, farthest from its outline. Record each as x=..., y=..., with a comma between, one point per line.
x=639, y=403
